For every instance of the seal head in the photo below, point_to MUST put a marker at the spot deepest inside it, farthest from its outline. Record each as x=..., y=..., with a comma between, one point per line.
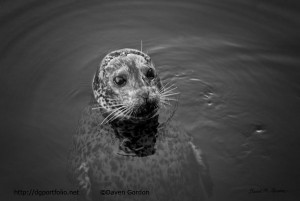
x=126, y=85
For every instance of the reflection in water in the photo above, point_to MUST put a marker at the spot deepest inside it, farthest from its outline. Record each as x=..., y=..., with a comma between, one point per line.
x=235, y=63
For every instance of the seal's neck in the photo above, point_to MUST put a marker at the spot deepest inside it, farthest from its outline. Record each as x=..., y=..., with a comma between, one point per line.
x=137, y=138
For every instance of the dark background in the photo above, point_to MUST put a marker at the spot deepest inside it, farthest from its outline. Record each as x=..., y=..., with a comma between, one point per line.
x=236, y=64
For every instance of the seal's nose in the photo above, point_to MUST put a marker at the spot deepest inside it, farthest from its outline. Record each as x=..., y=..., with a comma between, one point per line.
x=144, y=94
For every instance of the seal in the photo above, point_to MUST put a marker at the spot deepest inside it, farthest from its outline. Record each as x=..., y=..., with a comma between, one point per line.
x=127, y=85
x=120, y=147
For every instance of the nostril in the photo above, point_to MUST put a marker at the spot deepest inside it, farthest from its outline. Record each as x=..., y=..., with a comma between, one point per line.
x=144, y=94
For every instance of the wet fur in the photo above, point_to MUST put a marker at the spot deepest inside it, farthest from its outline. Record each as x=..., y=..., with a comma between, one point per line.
x=174, y=168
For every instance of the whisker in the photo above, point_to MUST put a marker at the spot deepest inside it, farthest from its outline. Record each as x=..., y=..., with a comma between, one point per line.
x=99, y=107
x=168, y=87
x=131, y=111
x=168, y=83
x=112, y=114
x=172, y=99
x=166, y=103
x=169, y=90
x=126, y=112
x=164, y=88
x=169, y=94
x=162, y=103
x=109, y=116
x=118, y=114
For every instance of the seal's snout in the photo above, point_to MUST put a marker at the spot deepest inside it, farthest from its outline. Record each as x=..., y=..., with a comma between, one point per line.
x=149, y=107
x=145, y=104
x=144, y=95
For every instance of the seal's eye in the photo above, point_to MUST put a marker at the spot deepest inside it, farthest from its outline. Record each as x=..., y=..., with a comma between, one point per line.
x=120, y=81
x=150, y=74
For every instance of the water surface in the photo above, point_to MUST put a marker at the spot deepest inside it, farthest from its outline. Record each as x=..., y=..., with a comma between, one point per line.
x=236, y=64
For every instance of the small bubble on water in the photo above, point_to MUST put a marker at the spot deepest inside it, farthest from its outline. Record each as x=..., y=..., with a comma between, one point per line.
x=209, y=103
x=259, y=129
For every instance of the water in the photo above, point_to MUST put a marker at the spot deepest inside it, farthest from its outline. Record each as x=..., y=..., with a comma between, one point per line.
x=235, y=63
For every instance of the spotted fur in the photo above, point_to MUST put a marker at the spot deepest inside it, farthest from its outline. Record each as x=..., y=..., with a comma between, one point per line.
x=159, y=159
x=132, y=64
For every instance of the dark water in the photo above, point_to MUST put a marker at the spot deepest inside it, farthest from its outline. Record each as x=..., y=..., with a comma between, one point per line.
x=236, y=64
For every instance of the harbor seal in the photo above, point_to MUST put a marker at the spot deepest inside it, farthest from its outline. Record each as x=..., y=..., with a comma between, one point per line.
x=121, y=151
